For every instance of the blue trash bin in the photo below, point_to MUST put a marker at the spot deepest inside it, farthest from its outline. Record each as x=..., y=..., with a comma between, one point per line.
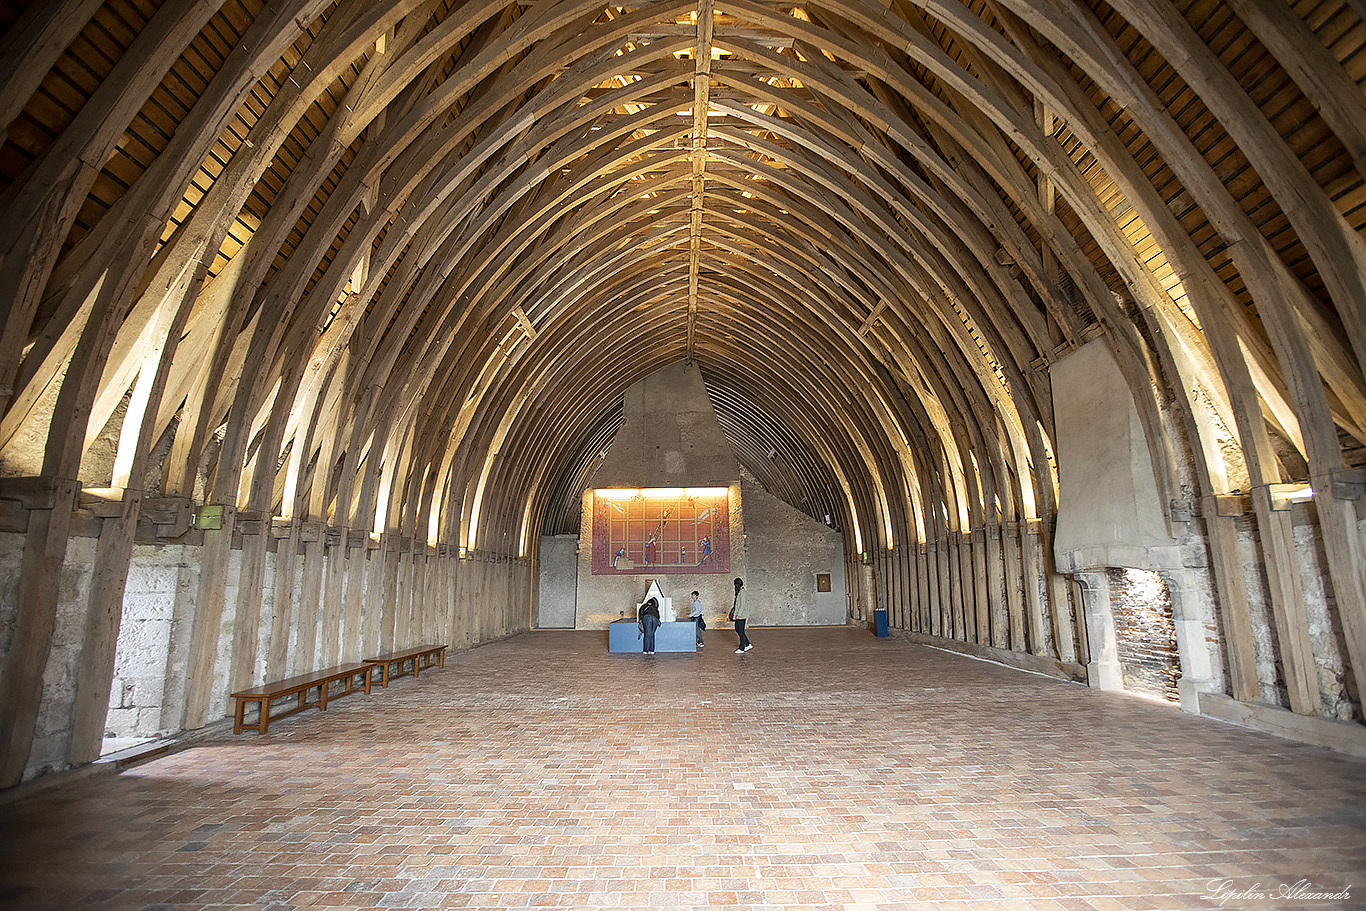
x=880, y=622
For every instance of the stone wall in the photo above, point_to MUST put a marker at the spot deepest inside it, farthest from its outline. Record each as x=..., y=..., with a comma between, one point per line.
x=670, y=438
x=557, y=582
x=787, y=548
x=138, y=696
x=458, y=601
x=1335, y=689
x=776, y=549
x=11, y=556
x=601, y=599
x=52, y=736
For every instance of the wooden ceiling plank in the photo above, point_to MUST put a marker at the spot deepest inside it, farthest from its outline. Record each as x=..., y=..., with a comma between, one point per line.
x=32, y=47
x=1336, y=97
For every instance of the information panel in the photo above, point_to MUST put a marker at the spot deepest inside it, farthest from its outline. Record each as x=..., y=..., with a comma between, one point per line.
x=670, y=530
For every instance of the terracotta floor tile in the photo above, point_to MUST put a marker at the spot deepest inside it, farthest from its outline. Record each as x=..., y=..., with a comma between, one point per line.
x=831, y=771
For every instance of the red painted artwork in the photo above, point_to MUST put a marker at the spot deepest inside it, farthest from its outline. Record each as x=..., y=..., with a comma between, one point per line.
x=661, y=531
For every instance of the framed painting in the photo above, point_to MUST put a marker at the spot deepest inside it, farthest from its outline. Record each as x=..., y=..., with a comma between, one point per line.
x=661, y=530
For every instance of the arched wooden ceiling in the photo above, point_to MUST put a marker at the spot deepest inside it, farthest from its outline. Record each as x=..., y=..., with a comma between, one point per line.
x=391, y=263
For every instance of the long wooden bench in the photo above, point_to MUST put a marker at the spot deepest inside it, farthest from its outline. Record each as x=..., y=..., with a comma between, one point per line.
x=421, y=657
x=301, y=686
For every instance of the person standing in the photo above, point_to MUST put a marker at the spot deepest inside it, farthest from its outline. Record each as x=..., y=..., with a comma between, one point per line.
x=740, y=613
x=648, y=622
x=697, y=618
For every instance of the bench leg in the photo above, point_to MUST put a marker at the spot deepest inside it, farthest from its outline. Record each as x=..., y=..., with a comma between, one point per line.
x=322, y=696
x=237, y=717
x=263, y=723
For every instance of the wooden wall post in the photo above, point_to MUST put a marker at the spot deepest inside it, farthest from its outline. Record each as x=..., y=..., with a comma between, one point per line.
x=21, y=682
x=1033, y=578
x=246, y=625
x=286, y=559
x=996, y=586
x=1015, y=584
x=333, y=604
x=352, y=634
x=95, y=671
x=310, y=597
x=979, y=579
x=372, y=624
x=208, y=620
x=389, y=604
x=1287, y=606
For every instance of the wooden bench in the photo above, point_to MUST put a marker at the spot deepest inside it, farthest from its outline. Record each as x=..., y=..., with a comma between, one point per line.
x=300, y=686
x=421, y=656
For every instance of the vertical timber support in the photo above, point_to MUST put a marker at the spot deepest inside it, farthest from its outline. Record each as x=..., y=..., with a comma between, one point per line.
x=1336, y=503
x=286, y=558
x=388, y=604
x=1222, y=535
x=1015, y=584
x=943, y=598
x=906, y=554
x=373, y=620
x=960, y=595
x=996, y=586
x=1064, y=632
x=95, y=671
x=417, y=586
x=929, y=559
x=980, y=586
x=1031, y=545
x=1287, y=605
x=246, y=626
x=21, y=682
x=352, y=635
x=403, y=596
x=333, y=606
x=208, y=620
x=310, y=595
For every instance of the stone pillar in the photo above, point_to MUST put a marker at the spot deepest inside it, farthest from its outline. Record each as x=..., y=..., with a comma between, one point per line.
x=1103, y=672
x=1188, y=615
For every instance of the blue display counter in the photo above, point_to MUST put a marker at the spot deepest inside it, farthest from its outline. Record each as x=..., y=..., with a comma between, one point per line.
x=624, y=637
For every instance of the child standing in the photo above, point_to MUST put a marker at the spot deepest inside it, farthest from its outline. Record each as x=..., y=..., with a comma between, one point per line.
x=697, y=616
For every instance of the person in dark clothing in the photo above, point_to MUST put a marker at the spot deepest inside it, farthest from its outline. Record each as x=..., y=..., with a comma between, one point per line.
x=739, y=614
x=648, y=621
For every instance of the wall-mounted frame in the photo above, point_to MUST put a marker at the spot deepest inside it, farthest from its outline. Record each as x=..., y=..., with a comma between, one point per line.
x=661, y=530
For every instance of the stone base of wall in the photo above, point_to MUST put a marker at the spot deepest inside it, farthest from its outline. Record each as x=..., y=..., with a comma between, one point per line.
x=1343, y=736
x=1063, y=670
x=114, y=763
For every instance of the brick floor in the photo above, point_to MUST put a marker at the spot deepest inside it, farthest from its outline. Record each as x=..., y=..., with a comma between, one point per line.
x=826, y=769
